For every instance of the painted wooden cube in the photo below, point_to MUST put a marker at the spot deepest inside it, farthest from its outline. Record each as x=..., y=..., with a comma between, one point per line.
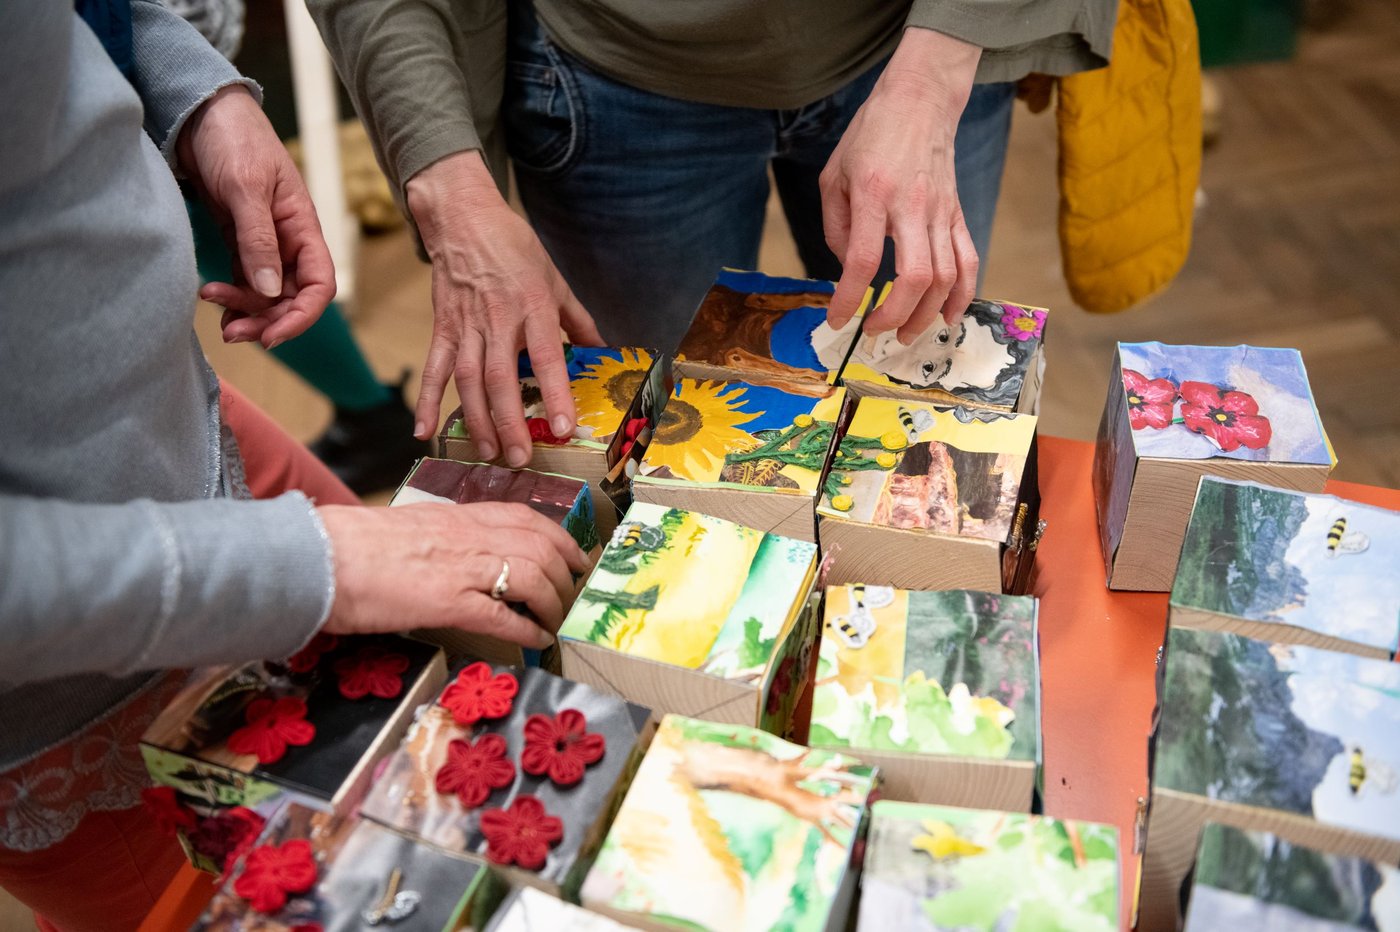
x=529, y=910
x=766, y=329
x=696, y=615
x=1177, y=413
x=994, y=358
x=727, y=829
x=940, y=869
x=1290, y=567
x=747, y=452
x=312, y=870
x=940, y=689
x=604, y=383
x=926, y=498
x=1279, y=738
x=1254, y=880
x=515, y=767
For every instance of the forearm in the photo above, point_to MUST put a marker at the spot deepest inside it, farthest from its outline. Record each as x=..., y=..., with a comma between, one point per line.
x=117, y=589
x=932, y=69
x=454, y=193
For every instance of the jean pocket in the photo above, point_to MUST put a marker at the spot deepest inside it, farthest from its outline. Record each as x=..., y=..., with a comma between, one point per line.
x=542, y=118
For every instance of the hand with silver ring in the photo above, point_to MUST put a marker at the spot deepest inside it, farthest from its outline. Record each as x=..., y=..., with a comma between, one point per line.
x=498, y=591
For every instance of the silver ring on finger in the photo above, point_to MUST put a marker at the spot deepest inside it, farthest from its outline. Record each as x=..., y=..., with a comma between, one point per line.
x=498, y=591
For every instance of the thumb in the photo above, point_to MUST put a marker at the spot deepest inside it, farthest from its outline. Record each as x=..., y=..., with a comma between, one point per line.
x=257, y=243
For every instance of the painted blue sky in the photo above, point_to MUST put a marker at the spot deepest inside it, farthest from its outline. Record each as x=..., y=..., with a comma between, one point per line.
x=775, y=407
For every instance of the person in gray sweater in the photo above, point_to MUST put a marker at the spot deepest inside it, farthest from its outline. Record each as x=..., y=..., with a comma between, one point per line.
x=125, y=549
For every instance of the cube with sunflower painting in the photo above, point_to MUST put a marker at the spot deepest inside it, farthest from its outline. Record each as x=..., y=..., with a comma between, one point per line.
x=940, y=689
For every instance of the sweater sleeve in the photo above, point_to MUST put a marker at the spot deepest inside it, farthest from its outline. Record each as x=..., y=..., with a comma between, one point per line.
x=1020, y=37
x=119, y=589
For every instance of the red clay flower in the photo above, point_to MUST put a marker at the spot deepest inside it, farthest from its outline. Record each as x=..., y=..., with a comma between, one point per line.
x=305, y=660
x=632, y=430
x=540, y=432
x=273, y=724
x=271, y=872
x=522, y=834
x=473, y=769
x=560, y=746
x=478, y=694
x=1228, y=419
x=224, y=837
x=1150, y=401
x=165, y=808
x=372, y=671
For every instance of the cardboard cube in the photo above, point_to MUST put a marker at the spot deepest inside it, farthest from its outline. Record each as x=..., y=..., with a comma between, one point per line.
x=529, y=910
x=941, y=690
x=604, y=382
x=417, y=795
x=1177, y=413
x=1290, y=567
x=696, y=615
x=993, y=359
x=1278, y=738
x=940, y=869
x=1254, y=880
x=920, y=497
x=728, y=828
x=365, y=876
x=746, y=452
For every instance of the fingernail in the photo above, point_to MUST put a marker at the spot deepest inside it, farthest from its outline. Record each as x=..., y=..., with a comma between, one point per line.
x=419, y=429
x=276, y=343
x=487, y=449
x=545, y=639
x=268, y=282
x=563, y=427
x=517, y=456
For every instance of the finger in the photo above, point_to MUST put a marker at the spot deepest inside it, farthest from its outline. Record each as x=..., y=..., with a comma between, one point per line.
x=552, y=373
x=527, y=582
x=236, y=297
x=522, y=517
x=836, y=212
x=524, y=545
x=968, y=263
x=312, y=285
x=442, y=354
x=482, y=614
x=915, y=274
x=471, y=388
x=258, y=254
x=244, y=330
x=578, y=323
x=862, y=259
x=501, y=371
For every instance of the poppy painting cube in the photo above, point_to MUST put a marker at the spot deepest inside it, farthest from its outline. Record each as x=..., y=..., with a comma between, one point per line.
x=1290, y=567
x=993, y=358
x=310, y=727
x=733, y=830
x=920, y=497
x=747, y=452
x=604, y=382
x=1255, y=880
x=696, y=615
x=941, y=690
x=1177, y=413
x=516, y=767
x=311, y=870
x=1280, y=738
x=940, y=869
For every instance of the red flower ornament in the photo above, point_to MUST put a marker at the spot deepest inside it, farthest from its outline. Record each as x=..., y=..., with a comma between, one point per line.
x=477, y=693
x=560, y=746
x=473, y=769
x=1150, y=401
x=540, y=432
x=306, y=659
x=631, y=431
x=371, y=672
x=272, y=872
x=164, y=806
x=224, y=837
x=273, y=724
x=1228, y=419
x=521, y=835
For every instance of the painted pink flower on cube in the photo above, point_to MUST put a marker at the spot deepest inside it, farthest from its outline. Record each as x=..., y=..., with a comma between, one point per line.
x=1150, y=401
x=1228, y=419
x=1022, y=323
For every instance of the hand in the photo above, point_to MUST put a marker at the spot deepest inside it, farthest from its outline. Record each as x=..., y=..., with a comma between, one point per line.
x=241, y=170
x=433, y=566
x=892, y=175
x=495, y=292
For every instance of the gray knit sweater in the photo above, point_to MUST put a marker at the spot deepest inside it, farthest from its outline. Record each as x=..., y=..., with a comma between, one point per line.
x=121, y=551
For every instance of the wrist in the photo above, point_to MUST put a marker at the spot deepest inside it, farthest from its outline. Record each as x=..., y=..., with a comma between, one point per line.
x=453, y=185
x=932, y=68
x=185, y=144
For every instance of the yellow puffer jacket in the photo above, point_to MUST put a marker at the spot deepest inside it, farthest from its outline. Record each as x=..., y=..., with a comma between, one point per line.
x=1130, y=158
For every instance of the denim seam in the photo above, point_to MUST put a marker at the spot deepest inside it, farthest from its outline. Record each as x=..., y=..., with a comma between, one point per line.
x=578, y=122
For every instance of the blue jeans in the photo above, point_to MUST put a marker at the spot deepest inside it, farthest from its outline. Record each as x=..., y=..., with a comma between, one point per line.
x=641, y=198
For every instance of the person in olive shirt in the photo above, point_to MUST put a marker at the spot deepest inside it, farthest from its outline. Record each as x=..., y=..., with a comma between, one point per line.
x=642, y=134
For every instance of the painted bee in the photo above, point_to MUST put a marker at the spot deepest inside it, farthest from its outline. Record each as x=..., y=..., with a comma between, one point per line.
x=1365, y=774
x=914, y=422
x=1339, y=541
x=855, y=629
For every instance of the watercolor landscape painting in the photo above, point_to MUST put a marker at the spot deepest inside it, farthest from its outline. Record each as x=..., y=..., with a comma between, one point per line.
x=727, y=828
x=1255, y=880
x=941, y=869
x=1315, y=562
x=694, y=591
x=952, y=673
x=907, y=464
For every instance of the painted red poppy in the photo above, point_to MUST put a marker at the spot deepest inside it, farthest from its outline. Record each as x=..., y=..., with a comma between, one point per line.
x=1150, y=401
x=273, y=725
x=169, y=814
x=540, y=432
x=224, y=837
x=521, y=835
x=271, y=873
x=373, y=671
x=560, y=746
x=474, y=768
x=478, y=693
x=631, y=431
x=1228, y=419
x=306, y=659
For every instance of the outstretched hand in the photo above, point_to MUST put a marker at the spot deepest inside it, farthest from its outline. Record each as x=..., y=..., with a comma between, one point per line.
x=495, y=292
x=283, y=276
x=892, y=175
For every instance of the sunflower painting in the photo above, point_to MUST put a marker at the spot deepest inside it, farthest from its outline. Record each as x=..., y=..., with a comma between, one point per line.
x=606, y=382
